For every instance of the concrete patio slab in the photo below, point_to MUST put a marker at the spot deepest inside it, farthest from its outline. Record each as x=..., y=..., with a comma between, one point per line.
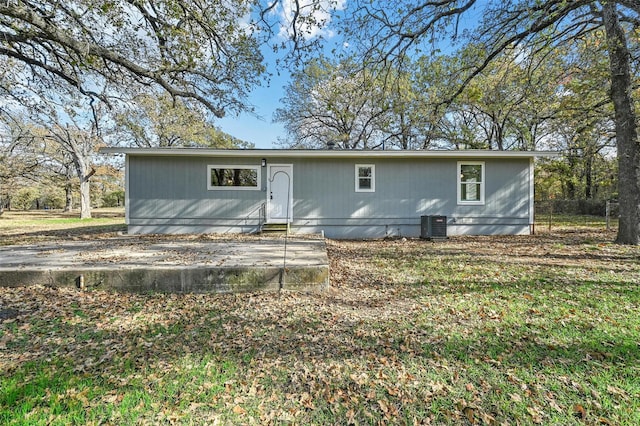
x=171, y=264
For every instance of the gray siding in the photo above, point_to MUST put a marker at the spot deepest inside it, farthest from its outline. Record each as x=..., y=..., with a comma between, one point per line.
x=170, y=195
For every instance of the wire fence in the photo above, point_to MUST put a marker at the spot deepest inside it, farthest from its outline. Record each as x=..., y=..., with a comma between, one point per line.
x=577, y=213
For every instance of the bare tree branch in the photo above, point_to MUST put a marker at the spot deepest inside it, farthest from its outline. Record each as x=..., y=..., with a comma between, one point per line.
x=187, y=51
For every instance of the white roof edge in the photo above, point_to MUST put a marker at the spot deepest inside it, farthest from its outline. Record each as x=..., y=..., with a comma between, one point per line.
x=293, y=153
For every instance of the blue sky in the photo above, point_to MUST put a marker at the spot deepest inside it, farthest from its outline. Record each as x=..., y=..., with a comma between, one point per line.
x=259, y=130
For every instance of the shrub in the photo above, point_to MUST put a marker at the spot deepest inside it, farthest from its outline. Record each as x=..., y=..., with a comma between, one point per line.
x=25, y=198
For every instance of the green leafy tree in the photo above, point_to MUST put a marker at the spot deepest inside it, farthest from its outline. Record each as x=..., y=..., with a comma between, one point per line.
x=25, y=198
x=584, y=125
x=108, y=186
x=449, y=126
x=411, y=117
x=80, y=143
x=510, y=102
x=58, y=59
x=160, y=121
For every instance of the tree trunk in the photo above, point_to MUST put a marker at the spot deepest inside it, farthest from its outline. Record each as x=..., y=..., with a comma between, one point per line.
x=68, y=197
x=626, y=128
x=85, y=198
x=571, y=186
x=588, y=176
x=84, y=173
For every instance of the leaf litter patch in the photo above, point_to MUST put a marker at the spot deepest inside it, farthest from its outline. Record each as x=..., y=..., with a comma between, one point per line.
x=479, y=330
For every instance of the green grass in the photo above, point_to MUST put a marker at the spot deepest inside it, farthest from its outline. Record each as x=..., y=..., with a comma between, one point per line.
x=82, y=373
x=28, y=227
x=473, y=330
x=543, y=221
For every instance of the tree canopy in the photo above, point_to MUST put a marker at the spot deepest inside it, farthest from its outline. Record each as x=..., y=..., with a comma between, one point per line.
x=192, y=49
x=333, y=102
x=68, y=69
x=157, y=120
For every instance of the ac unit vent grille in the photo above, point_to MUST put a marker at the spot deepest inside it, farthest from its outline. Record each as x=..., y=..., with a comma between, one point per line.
x=433, y=227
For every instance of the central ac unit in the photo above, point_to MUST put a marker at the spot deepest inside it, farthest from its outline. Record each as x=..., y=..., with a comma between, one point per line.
x=433, y=227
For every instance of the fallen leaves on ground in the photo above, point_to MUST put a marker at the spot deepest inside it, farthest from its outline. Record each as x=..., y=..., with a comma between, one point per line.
x=484, y=330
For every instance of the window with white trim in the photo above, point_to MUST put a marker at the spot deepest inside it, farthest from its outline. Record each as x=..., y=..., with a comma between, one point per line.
x=471, y=182
x=233, y=177
x=365, y=178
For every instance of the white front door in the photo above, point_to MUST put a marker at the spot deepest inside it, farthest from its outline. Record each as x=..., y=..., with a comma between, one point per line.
x=280, y=193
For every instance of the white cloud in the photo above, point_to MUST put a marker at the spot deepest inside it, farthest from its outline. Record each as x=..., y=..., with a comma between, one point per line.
x=313, y=17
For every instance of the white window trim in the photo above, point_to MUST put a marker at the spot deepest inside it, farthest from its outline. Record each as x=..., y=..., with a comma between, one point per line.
x=459, y=183
x=233, y=188
x=373, y=178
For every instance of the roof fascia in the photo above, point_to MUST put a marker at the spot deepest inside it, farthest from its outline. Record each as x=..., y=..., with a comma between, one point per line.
x=299, y=153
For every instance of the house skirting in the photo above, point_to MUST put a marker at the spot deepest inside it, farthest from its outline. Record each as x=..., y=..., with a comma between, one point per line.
x=338, y=229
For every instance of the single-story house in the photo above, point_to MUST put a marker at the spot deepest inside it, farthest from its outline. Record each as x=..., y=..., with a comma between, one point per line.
x=342, y=194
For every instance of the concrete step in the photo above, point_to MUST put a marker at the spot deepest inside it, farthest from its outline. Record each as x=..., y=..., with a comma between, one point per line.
x=275, y=228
